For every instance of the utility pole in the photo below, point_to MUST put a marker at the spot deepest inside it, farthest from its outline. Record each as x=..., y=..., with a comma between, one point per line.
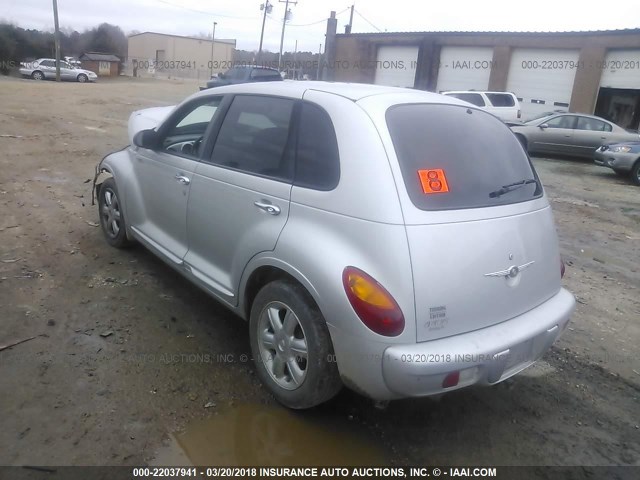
x=284, y=24
x=347, y=29
x=213, y=41
x=319, y=62
x=56, y=38
x=295, y=64
x=267, y=7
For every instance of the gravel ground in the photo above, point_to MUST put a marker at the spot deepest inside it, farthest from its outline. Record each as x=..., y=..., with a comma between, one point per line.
x=126, y=353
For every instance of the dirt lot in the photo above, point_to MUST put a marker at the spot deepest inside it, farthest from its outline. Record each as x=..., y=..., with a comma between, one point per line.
x=127, y=353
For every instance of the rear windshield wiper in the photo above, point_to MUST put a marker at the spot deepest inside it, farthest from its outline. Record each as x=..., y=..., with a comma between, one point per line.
x=512, y=186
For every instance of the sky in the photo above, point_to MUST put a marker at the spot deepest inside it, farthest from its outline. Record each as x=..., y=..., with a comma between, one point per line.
x=242, y=19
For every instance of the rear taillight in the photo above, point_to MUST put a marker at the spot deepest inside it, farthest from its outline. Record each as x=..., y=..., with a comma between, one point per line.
x=375, y=307
x=519, y=113
x=561, y=268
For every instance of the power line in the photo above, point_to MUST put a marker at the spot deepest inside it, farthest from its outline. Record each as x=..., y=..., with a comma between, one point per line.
x=362, y=17
x=206, y=13
x=306, y=24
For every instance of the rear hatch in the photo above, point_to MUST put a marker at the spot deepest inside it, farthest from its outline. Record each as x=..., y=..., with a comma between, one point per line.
x=481, y=234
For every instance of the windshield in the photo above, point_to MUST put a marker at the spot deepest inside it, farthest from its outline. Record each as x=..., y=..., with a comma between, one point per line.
x=455, y=157
x=540, y=117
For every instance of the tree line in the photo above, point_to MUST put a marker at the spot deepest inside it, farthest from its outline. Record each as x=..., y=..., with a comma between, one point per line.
x=18, y=44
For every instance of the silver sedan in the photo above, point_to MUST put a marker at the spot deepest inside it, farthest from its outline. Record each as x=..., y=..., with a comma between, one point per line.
x=45, y=68
x=570, y=134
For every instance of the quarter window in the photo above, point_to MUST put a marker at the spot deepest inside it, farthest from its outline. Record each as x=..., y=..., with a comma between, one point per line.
x=255, y=135
x=186, y=134
x=317, y=159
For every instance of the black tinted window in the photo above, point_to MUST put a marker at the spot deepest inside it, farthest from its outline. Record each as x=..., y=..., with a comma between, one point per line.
x=501, y=99
x=474, y=98
x=236, y=73
x=265, y=74
x=47, y=63
x=317, y=159
x=254, y=135
x=470, y=153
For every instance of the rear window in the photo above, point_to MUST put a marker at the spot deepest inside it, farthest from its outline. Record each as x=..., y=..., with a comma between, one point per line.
x=265, y=74
x=470, y=152
x=501, y=99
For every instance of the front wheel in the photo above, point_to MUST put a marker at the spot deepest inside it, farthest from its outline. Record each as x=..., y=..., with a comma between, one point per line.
x=111, y=215
x=82, y=78
x=37, y=75
x=291, y=346
x=635, y=173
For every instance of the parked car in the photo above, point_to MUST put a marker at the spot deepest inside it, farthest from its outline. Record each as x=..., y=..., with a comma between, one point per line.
x=244, y=74
x=45, y=68
x=623, y=158
x=504, y=105
x=570, y=134
x=336, y=219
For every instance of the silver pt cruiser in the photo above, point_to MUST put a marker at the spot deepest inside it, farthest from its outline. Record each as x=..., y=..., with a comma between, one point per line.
x=394, y=241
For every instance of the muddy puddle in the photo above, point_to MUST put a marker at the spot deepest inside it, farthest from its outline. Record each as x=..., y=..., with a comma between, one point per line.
x=262, y=435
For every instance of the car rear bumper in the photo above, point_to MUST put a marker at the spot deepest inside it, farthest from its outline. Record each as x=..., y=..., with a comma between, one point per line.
x=618, y=161
x=485, y=356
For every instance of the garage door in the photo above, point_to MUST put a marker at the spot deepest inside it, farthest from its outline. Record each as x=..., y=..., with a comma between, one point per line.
x=542, y=79
x=464, y=68
x=621, y=69
x=396, y=66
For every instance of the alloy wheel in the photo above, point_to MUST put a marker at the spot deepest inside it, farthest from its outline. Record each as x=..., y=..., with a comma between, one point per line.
x=283, y=345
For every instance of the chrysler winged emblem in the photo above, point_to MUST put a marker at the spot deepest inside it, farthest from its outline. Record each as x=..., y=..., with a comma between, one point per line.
x=510, y=272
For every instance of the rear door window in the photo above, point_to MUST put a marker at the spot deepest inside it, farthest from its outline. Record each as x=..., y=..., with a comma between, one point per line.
x=254, y=137
x=592, y=124
x=453, y=157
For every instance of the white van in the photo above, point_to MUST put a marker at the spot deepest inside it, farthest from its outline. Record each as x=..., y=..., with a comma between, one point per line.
x=503, y=105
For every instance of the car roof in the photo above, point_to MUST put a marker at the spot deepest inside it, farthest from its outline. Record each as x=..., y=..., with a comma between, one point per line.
x=352, y=91
x=477, y=91
x=262, y=67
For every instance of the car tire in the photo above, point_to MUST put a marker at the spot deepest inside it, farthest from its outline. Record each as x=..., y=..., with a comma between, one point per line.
x=111, y=215
x=635, y=173
x=82, y=78
x=291, y=346
x=37, y=75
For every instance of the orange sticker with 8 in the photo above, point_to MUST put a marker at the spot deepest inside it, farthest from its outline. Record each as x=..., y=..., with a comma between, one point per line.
x=433, y=181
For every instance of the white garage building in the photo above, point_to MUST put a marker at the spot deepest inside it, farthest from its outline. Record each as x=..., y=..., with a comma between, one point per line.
x=590, y=72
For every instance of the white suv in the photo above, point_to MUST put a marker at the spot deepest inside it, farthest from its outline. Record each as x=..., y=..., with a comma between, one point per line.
x=503, y=105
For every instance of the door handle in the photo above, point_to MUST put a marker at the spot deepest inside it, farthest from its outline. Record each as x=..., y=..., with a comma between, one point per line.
x=182, y=179
x=267, y=207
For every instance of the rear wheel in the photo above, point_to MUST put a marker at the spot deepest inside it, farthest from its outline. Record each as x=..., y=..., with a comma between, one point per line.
x=37, y=75
x=291, y=346
x=635, y=173
x=82, y=78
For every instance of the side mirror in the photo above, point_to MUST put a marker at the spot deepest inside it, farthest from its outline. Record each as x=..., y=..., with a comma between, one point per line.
x=543, y=126
x=146, y=139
